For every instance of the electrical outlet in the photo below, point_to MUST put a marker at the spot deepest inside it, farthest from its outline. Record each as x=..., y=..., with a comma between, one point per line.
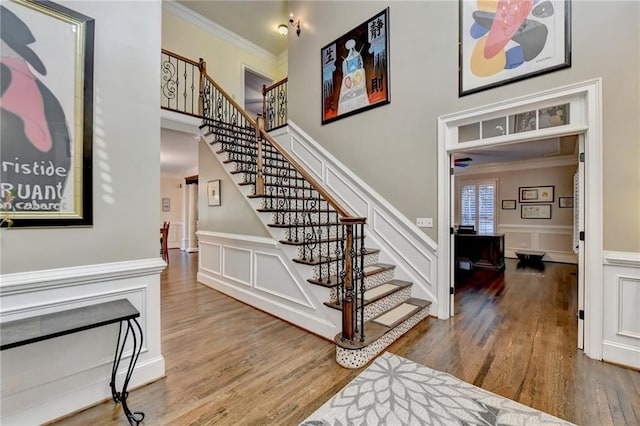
x=424, y=222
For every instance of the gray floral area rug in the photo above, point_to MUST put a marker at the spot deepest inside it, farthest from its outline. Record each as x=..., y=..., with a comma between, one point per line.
x=396, y=391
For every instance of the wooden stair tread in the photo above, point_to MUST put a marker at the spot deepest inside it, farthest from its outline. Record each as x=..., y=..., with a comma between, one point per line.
x=321, y=241
x=282, y=196
x=375, y=330
x=328, y=259
x=303, y=225
x=279, y=210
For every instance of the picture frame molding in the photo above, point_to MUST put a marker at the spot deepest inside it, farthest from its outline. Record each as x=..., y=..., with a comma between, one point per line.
x=559, y=61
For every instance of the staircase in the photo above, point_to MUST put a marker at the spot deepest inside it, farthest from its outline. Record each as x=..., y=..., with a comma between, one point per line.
x=328, y=241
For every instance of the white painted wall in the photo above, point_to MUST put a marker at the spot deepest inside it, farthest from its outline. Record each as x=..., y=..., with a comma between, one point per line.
x=46, y=270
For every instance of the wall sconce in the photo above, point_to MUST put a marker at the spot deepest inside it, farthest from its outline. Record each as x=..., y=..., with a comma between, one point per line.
x=283, y=29
x=295, y=24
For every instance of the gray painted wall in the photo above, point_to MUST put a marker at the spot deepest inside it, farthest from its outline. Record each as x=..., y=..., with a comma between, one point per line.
x=234, y=215
x=394, y=147
x=126, y=160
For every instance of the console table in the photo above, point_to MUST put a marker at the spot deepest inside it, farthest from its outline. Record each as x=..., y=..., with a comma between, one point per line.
x=42, y=327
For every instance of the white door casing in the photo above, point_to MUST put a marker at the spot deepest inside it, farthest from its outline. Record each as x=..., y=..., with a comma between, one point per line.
x=585, y=99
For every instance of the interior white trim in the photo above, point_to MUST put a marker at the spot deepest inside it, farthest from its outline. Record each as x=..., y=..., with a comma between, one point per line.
x=22, y=282
x=216, y=29
x=179, y=122
x=586, y=118
x=619, y=258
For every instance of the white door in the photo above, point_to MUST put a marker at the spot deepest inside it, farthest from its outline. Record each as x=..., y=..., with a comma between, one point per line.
x=452, y=247
x=578, y=228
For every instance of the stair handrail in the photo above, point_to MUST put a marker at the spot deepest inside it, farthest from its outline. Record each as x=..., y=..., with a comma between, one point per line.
x=344, y=213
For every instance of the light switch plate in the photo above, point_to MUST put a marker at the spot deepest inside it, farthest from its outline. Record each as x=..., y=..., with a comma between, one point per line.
x=424, y=222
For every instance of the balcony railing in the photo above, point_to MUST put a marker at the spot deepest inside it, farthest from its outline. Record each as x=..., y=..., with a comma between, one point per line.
x=274, y=105
x=181, y=90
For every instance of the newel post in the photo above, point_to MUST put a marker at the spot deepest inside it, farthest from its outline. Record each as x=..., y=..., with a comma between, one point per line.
x=259, y=161
x=202, y=66
x=347, y=302
x=264, y=102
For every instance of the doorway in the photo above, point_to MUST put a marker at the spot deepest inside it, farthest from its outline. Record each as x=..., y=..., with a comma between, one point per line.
x=253, y=83
x=488, y=183
x=471, y=129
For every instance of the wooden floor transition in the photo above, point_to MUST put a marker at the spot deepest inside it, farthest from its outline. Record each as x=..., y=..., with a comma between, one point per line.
x=229, y=364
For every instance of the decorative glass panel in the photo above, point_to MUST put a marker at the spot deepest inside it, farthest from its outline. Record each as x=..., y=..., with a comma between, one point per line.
x=469, y=132
x=553, y=116
x=494, y=127
x=523, y=122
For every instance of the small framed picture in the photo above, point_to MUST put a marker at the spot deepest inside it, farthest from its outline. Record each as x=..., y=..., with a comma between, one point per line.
x=565, y=202
x=508, y=204
x=537, y=211
x=536, y=194
x=213, y=193
x=166, y=204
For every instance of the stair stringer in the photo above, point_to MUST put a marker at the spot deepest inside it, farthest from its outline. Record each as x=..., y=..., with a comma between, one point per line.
x=401, y=242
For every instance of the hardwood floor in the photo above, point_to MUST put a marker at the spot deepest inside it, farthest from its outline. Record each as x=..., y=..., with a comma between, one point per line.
x=229, y=364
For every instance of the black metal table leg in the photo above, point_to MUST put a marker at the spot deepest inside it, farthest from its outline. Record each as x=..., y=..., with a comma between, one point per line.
x=136, y=332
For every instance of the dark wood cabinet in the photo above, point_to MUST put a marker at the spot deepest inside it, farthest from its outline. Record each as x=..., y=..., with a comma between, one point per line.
x=482, y=251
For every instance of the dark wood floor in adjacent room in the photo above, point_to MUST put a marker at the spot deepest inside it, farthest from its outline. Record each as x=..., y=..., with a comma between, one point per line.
x=229, y=364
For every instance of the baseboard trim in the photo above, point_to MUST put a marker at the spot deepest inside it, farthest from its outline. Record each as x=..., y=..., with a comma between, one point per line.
x=621, y=354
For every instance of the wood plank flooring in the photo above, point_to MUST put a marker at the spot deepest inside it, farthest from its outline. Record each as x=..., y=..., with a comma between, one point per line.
x=229, y=364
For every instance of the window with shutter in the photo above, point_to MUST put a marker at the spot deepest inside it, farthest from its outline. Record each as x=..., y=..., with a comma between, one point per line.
x=477, y=206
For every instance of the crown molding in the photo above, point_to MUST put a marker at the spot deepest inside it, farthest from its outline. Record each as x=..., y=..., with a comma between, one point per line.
x=509, y=166
x=216, y=29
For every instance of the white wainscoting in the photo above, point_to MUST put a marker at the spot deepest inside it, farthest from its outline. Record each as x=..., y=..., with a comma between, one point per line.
x=555, y=241
x=258, y=271
x=402, y=243
x=621, y=336
x=46, y=380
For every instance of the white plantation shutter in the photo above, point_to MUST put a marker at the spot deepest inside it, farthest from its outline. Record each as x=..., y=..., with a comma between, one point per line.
x=486, y=211
x=468, y=205
x=477, y=206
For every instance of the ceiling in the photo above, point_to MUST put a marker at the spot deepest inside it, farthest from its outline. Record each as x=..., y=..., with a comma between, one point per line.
x=255, y=21
x=522, y=151
x=178, y=153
